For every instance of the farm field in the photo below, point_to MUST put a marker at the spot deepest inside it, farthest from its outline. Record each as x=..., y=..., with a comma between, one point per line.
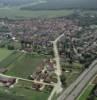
x=24, y=65
x=18, y=63
x=4, y=53
x=22, y=93
x=26, y=89
x=21, y=65
x=16, y=13
x=20, y=14
x=9, y=59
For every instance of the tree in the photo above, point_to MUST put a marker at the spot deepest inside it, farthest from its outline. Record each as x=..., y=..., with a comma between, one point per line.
x=63, y=80
x=10, y=47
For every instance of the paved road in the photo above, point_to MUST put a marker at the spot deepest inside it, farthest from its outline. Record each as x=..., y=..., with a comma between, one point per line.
x=76, y=88
x=57, y=89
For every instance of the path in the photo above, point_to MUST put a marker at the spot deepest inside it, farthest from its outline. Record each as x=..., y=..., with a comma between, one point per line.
x=34, y=81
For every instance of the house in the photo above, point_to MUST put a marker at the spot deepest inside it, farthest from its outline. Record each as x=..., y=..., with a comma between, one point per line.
x=2, y=70
x=7, y=82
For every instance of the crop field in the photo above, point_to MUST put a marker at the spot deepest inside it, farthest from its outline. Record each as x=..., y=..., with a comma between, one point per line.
x=18, y=63
x=21, y=65
x=20, y=14
x=16, y=13
x=22, y=92
x=24, y=65
x=4, y=53
x=26, y=89
x=9, y=59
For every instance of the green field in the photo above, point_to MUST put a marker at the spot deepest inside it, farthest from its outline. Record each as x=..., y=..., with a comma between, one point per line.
x=21, y=65
x=17, y=13
x=74, y=71
x=18, y=63
x=86, y=93
x=4, y=53
x=24, y=65
x=22, y=93
x=9, y=59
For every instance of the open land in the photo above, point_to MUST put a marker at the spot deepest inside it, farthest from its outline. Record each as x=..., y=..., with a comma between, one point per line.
x=25, y=65
x=21, y=91
x=15, y=13
x=4, y=53
x=20, y=65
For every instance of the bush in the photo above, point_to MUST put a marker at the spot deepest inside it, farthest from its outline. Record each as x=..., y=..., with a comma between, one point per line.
x=2, y=46
x=10, y=47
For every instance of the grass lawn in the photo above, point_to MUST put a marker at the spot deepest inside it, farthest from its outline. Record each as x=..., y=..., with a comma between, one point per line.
x=17, y=13
x=25, y=65
x=74, y=71
x=71, y=77
x=4, y=53
x=74, y=65
x=86, y=93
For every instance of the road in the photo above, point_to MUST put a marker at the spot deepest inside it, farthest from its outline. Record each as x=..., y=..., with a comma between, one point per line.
x=58, y=88
x=56, y=53
x=34, y=81
x=76, y=88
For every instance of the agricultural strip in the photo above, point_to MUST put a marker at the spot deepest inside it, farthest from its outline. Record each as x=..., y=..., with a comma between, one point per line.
x=9, y=59
x=15, y=13
x=25, y=65
x=22, y=93
x=4, y=53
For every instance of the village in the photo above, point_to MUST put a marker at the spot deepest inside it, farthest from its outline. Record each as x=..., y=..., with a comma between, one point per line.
x=31, y=57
